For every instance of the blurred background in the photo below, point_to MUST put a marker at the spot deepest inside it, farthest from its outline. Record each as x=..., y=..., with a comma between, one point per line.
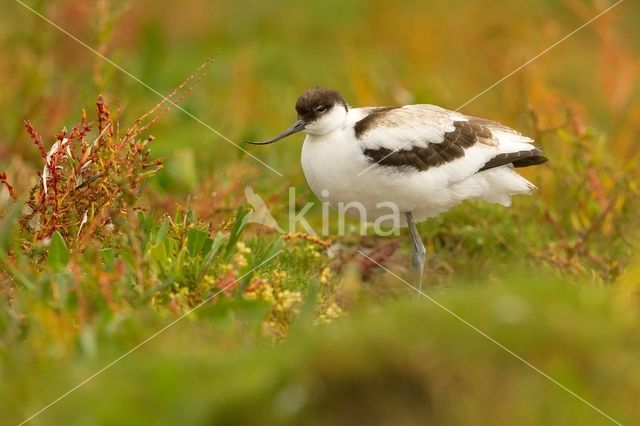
x=555, y=272
x=267, y=53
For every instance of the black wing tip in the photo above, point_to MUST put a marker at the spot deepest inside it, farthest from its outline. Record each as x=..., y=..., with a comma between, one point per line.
x=534, y=160
x=533, y=157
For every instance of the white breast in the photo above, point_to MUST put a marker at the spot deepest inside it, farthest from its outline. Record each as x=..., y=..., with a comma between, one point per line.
x=331, y=164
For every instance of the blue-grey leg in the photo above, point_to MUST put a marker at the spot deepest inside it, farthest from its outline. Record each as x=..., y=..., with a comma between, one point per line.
x=418, y=253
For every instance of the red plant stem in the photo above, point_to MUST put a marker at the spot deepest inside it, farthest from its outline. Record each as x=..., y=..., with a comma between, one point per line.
x=35, y=136
x=3, y=180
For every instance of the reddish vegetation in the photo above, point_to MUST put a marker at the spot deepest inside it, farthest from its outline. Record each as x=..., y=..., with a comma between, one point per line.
x=3, y=180
x=92, y=173
x=86, y=181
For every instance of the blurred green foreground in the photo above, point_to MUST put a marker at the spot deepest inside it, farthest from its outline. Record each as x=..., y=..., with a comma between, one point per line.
x=410, y=362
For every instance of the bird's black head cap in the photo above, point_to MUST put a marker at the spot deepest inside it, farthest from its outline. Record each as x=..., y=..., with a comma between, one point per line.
x=315, y=102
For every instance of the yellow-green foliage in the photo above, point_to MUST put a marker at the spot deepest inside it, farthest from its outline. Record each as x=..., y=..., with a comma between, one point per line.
x=275, y=328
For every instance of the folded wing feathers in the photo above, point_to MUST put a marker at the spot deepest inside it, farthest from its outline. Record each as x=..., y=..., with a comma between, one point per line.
x=424, y=136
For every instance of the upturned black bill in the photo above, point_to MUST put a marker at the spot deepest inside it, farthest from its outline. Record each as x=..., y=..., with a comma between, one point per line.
x=298, y=126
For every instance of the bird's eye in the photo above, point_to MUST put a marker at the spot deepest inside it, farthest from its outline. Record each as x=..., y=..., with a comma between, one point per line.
x=321, y=108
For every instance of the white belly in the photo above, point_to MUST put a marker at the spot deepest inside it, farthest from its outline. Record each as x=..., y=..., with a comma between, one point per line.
x=333, y=166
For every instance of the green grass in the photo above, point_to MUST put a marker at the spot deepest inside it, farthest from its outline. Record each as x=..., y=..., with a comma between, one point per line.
x=409, y=360
x=312, y=336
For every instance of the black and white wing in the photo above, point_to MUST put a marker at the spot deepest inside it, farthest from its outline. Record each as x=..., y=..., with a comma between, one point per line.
x=422, y=137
